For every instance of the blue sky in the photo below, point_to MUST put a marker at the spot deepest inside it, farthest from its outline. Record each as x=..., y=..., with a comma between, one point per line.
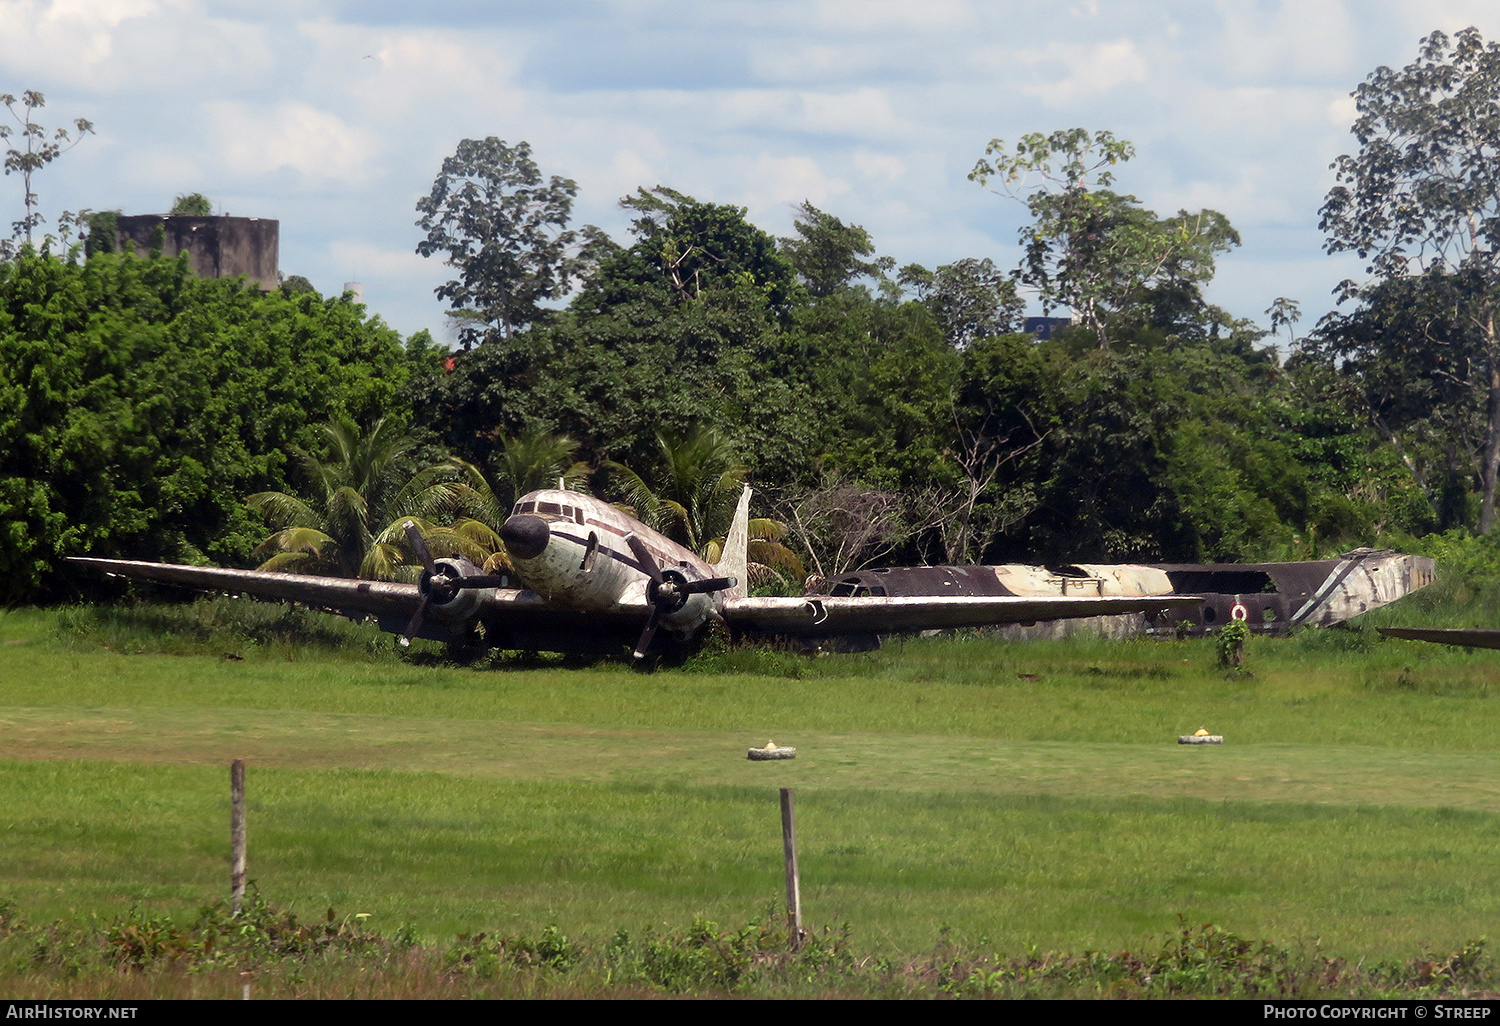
x=334, y=117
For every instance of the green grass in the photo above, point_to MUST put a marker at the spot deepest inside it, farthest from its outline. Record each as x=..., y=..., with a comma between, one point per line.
x=1010, y=794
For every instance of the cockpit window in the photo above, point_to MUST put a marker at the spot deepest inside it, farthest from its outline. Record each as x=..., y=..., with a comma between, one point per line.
x=555, y=508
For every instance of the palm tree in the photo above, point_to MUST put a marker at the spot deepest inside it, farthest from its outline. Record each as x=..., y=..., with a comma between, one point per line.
x=362, y=495
x=699, y=480
x=699, y=487
x=534, y=459
x=767, y=556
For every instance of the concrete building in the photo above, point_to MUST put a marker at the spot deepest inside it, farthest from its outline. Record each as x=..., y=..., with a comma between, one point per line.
x=217, y=247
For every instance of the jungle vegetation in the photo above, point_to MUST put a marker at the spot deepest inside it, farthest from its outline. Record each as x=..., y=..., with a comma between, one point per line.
x=884, y=412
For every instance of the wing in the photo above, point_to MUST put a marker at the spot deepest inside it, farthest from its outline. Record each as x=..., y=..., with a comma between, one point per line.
x=376, y=598
x=825, y=615
x=1473, y=638
x=514, y=612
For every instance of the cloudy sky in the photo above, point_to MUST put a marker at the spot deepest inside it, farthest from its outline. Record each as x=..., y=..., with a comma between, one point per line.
x=334, y=116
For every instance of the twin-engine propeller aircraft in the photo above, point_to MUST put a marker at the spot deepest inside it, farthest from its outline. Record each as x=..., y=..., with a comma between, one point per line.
x=590, y=579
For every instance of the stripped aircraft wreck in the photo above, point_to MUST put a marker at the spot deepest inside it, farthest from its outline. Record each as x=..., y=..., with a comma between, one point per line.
x=1272, y=598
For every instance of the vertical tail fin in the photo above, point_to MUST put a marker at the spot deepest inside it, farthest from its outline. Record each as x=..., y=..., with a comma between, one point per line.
x=734, y=561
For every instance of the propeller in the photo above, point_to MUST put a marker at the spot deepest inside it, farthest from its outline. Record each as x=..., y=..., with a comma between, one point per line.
x=440, y=582
x=666, y=592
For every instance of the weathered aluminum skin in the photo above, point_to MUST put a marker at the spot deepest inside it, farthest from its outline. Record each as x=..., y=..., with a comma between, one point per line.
x=1273, y=598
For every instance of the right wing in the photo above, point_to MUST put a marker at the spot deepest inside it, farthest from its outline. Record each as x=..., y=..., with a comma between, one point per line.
x=825, y=615
x=377, y=598
x=517, y=618
x=1476, y=637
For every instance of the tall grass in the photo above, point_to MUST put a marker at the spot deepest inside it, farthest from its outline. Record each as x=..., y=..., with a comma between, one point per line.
x=1006, y=797
x=275, y=953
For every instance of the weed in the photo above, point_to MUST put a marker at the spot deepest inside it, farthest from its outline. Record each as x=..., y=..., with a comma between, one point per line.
x=1229, y=644
x=327, y=958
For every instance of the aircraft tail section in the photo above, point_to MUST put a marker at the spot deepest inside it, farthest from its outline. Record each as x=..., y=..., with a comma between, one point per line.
x=735, y=559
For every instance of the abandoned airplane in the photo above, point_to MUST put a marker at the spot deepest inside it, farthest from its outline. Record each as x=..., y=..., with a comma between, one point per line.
x=591, y=579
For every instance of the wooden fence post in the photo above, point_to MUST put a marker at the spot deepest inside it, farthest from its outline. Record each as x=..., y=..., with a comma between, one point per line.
x=236, y=835
x=793, y=885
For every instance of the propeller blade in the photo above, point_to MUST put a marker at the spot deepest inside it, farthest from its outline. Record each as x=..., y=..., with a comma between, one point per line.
x=710, y=585
x=419, y=547
x=482, y=581
x=647, y=633
x=415, y=624
x=644, y=555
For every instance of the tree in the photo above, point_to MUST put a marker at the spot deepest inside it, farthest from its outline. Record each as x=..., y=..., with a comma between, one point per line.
x=688, y=247
x=843, y=526
x=139, y=405
x=699, y=481
x=40, y=151
x=505, y=230
x=1284, y=313
x=828, y=254
x=1416, y=366
x=193, y=204
x=969, y=298
x=363, y=494
x=1423, y=194
x=1090, y=249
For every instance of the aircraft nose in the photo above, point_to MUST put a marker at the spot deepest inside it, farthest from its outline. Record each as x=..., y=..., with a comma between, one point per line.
x=525, y=536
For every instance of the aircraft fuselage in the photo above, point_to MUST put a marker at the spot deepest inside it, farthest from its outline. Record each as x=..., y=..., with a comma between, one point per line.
x=573, y=549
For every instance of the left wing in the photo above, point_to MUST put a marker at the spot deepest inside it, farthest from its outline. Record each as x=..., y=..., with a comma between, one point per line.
x=824, y=615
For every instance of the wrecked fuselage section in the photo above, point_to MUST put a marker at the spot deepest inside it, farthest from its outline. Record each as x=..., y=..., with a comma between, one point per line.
x=1272, y=598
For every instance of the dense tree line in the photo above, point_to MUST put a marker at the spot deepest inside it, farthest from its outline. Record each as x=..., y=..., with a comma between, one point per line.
x=883, y=414
x=140, y=406
x=912, y=405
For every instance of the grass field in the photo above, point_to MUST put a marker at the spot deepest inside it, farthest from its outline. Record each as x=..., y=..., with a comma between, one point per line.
x=1003, y=797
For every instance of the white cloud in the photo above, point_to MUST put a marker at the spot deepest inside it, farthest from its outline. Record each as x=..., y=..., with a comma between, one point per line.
x=335, y=117
x=781, y=181
x=865, y=112
x=293, y=135
x=131, y=47
x=418, y=73
x=879, y=165
x=71, y=32
x=360, y=260
x=1310, y=37
x=1342, y=110
x=895, y=14
x=1092, y=70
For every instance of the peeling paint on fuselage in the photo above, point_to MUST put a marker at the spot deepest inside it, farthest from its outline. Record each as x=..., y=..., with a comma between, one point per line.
x=587, y=564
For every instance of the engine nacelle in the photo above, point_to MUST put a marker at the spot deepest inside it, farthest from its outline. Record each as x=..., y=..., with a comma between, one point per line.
x=686, y=612
x=447, y=603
